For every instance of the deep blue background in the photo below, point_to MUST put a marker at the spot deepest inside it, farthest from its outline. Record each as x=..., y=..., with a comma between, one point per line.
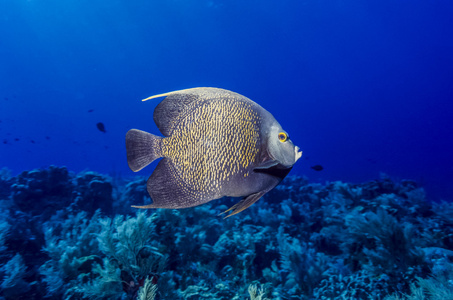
x=362, y=87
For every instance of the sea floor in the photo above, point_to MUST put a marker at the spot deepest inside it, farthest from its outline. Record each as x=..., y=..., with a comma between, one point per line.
x=75, y=236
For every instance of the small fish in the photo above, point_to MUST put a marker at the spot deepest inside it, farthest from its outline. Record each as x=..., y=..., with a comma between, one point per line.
x=17, y=139
x=32, y=141
x=101, y=127
x=47, y=137
x=216, y=143
x=90, y=110
x=317, y=167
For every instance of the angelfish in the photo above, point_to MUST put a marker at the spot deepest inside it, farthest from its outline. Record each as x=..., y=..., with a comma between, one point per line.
x=215, y=143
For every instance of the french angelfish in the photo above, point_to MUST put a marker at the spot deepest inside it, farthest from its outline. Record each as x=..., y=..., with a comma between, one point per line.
x=215, y=143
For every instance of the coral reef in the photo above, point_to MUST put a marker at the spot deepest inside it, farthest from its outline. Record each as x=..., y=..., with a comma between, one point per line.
x=40, y=192
x=68, y=236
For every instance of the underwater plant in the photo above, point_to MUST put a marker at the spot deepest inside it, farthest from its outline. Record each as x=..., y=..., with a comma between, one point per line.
x=14, y=283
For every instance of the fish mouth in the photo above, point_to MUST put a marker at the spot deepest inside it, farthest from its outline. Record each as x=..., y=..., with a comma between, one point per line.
x=298, y=154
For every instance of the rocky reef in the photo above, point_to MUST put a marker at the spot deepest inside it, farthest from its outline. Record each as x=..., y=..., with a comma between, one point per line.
x=75, y=236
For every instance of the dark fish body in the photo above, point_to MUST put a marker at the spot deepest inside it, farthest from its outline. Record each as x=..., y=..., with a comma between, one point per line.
x=216, y=143
x=101, y=127
x=317, y=167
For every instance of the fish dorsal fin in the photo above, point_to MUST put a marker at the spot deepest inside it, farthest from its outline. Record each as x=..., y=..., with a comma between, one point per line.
x=177, y=104
x=169, y=94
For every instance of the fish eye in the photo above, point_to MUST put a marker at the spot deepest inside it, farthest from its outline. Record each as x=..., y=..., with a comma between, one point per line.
x=282, y=137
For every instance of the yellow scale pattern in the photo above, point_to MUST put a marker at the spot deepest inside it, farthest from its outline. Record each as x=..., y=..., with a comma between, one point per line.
x=213, y=142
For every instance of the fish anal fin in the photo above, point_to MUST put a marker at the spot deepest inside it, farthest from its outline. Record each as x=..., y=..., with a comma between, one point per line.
x=168, y=191
x=244, y=203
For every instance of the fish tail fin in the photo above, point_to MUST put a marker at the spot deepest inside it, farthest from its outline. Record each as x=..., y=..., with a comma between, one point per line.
x=142, y=149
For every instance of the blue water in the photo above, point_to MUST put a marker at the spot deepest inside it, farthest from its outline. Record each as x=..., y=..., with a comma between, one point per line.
x=363, y=87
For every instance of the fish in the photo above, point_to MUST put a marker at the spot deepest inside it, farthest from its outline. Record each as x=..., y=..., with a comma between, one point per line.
x=216, y=143
x=317, y=167
x=101, y=127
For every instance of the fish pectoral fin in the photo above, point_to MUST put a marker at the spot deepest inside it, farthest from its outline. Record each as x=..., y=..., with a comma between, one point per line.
x=244, y=203
x=267, y=165
x=266, y=161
